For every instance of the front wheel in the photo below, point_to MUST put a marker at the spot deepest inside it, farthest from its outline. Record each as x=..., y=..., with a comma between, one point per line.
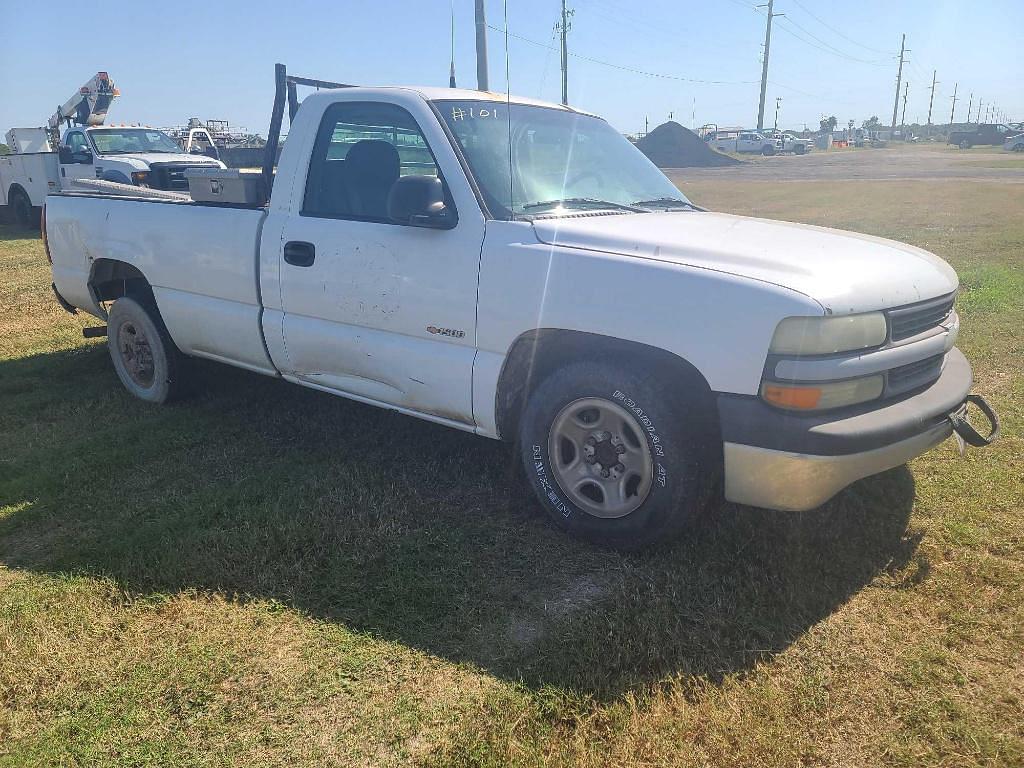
x=965, y=144
x=617, y=458
x=801, y=149
x=145, y=358
x=768, y=151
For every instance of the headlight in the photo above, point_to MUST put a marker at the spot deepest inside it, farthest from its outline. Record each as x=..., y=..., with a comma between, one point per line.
x=140, y=178
x=824, y=395
x=825, y=335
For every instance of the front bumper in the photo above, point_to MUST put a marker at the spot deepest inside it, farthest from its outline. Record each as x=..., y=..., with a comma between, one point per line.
x=790, y=461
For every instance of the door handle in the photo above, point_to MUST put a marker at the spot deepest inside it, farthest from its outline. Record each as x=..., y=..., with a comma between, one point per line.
x=299, y=254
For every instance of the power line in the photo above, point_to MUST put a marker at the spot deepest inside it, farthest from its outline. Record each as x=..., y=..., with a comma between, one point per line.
x=623, y=68
x=827, y=47
x=806, y=10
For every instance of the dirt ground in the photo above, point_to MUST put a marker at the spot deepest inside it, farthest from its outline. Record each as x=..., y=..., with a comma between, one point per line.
x=898, y=162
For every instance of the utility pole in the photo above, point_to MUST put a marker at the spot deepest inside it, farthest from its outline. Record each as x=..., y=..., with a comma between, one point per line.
x=764, y=66
x=930, y=102
x=899, y=76
x=778, y=100
x=978, y=119
x=563, y=28
x=481, y=47
x=903, y=117
x=970, y=103
x=953, y=108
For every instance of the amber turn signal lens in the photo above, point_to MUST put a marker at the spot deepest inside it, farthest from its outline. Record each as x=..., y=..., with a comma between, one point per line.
x=803, y=398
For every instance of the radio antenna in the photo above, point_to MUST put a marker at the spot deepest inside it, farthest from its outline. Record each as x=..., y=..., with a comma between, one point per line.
x=508, y=112
x=451, y=70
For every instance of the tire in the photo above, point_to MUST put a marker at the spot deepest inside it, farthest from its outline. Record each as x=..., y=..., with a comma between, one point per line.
x=145, y=358
x=21, y=208
x=653, y=500
x=768, y=151
x=1018, y=147
x=964, y=144
x=801, y=149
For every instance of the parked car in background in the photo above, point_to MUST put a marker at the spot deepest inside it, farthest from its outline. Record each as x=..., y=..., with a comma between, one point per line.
x=790, y=142
x=991, y=134
x=749, y=142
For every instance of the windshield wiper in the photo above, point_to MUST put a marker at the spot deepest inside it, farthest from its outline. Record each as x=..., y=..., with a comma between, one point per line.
x=667, y=202
x=592, y=202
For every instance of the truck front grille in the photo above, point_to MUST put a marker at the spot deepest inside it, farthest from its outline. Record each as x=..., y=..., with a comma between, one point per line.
x=914, y=375
x=913, y=319
x=170, y=176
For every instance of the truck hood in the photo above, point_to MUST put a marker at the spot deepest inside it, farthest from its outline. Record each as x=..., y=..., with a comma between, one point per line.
x=843, y=271
x=142, y=160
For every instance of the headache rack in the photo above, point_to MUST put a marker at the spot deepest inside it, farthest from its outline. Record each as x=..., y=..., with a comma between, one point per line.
x=285, y=87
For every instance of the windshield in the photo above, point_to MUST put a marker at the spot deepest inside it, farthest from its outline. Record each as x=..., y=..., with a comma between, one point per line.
x=123, y=141
x=559, y=160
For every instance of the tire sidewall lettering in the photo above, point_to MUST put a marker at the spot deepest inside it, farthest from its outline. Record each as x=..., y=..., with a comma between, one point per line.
x=548, y=489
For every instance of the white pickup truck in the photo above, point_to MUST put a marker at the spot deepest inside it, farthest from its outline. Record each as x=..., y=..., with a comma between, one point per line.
x=746, y=142
x=144, y=157
x=519, y=270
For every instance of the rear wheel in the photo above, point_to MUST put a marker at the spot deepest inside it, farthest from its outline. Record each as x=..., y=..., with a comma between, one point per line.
x=768, y=150
x=965, y=144
x=617, y=458
x=21, y=208
x=144, y=356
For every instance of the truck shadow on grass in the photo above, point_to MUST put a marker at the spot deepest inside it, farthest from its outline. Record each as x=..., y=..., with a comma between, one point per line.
x=408, y=531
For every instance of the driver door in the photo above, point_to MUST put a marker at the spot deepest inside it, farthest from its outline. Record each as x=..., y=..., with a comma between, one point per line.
x=378, y=310
x=76, y=158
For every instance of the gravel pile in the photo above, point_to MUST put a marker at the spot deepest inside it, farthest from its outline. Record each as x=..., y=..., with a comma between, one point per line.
x=670, y=145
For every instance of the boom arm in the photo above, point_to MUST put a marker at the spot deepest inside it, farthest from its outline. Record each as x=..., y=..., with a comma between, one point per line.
x=87, y=107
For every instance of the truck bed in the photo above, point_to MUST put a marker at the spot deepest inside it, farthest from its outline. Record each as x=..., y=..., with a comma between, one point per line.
x=201, y=260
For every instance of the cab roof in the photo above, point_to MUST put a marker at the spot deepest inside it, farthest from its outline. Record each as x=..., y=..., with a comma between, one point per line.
x=436, y=93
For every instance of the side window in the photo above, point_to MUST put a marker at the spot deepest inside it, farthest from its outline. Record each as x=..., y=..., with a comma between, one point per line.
x=361, y=150
x=76, y=141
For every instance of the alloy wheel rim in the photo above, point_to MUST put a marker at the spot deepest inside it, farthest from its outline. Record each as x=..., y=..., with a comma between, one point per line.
x=600, y=457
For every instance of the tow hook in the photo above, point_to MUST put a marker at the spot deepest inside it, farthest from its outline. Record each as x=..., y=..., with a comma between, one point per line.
x=965, y=431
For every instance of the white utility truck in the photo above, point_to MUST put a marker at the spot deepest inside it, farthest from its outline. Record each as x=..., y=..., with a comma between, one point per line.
x=519, y=270
x=43, y=161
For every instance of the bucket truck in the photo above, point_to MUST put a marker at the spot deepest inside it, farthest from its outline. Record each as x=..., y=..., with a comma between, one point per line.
x=44, y=161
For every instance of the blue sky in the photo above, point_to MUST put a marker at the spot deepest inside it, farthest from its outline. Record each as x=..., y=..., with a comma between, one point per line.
x=175, y=60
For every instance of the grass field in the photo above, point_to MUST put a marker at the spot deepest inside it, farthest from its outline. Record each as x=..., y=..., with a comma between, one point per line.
x=265, y=575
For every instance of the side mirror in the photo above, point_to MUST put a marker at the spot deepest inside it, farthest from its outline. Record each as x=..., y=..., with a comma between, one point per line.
x=419, y=202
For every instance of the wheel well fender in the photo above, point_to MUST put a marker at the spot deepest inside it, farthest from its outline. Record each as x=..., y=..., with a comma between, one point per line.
x=536, y=354
x=17, y=189
x=111, y=279
x=117, y=176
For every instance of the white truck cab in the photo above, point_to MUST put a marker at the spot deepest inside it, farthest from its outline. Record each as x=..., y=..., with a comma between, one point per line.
x=520, y=270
